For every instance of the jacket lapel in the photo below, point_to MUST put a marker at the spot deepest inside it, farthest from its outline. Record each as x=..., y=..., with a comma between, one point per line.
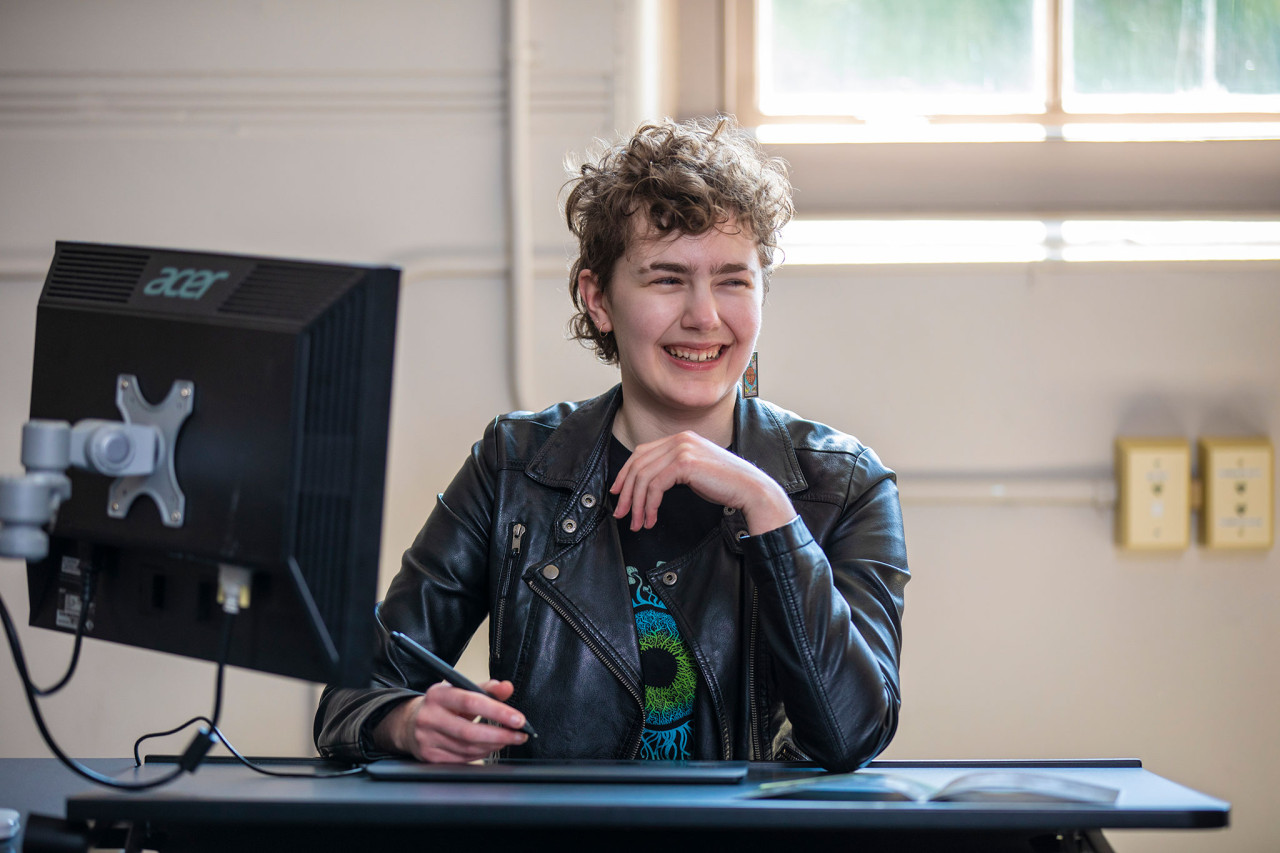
x=589, y=582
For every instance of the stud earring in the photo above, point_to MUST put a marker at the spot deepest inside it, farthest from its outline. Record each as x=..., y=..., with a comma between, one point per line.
x=751, y=379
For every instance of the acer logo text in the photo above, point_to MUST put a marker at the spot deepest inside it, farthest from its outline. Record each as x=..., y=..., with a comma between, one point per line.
x=184, y=284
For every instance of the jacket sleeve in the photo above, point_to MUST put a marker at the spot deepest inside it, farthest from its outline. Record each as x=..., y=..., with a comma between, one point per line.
x=831, y=614
x=439, y=597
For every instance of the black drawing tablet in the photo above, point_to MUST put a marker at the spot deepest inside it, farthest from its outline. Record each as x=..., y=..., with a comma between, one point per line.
x=563, y=770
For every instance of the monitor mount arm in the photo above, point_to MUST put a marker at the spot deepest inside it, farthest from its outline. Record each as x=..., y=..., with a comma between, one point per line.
x=137, y=451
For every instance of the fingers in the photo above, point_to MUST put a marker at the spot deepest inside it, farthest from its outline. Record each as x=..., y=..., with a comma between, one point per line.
x=714, y=474
x=642, y=482
x=464, y=704
x=684, y=458
x=449, y=726
x=500, y=690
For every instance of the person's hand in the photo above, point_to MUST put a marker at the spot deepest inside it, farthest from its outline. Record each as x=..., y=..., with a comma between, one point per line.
x=445, y=724
x=714, y=473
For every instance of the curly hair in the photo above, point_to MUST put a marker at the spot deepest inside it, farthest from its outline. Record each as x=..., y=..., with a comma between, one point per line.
x=682, y=178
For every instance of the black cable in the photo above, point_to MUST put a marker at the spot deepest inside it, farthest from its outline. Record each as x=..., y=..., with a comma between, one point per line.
x=224, y=654
x=137, y=758
x=32, y=693
x=257, y=768
x=20, y=663
x=86, y=596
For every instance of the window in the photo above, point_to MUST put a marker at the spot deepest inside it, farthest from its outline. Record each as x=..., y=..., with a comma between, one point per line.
x=1010, y=69
x=960, y=241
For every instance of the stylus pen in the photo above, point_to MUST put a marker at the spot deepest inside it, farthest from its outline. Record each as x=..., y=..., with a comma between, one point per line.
x=448, y=673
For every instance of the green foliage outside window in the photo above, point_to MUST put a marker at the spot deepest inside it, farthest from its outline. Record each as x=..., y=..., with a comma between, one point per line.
x=1167, y=46
x=844, y=49
x=903, y=45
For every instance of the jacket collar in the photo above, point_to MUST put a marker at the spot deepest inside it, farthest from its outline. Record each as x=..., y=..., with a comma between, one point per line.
x=572, y=458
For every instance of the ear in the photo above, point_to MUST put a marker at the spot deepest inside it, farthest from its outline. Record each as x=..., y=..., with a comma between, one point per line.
x=593, y=297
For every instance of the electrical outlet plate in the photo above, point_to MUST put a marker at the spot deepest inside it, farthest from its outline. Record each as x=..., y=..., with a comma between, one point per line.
x=1239, y=494
x=1153, y=512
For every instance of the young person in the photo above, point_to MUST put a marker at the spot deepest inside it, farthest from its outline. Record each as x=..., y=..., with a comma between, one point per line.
x=671, y=569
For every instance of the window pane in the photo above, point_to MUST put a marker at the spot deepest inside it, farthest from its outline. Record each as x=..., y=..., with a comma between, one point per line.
x=1184, y=55
x=1248, y=46
x=923, y=56
x=1136, y=46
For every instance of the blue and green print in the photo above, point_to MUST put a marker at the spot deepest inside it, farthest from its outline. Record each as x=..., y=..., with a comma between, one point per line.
x=670, y=679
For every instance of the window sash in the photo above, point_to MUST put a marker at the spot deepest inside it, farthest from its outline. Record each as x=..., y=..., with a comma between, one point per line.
x=1186, y=110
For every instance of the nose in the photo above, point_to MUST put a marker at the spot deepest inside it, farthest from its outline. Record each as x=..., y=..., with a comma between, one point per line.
x=700, y=309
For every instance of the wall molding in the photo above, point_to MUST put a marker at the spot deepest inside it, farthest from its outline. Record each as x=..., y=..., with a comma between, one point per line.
x=111, y=99
x=477, y=265
x=1081, y=488
x=24, y=266
x=19, y=265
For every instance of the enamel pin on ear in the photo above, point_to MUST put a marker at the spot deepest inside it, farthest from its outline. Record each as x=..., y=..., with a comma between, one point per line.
x=751, y=379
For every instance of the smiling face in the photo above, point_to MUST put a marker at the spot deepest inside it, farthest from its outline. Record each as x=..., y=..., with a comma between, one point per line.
x=685, y=312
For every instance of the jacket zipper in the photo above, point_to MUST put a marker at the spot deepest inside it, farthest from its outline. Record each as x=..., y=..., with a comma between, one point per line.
x=508, y=571
x=757, y=747
x=599, y=653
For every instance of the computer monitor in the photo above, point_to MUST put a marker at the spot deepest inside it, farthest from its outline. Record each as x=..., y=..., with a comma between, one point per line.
x=283, y=369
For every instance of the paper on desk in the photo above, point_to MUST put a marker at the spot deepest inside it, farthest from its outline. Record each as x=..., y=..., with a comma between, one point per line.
x=980, y=787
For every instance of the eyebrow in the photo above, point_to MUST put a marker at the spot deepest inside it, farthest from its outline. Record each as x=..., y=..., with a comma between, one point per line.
x=673, y=266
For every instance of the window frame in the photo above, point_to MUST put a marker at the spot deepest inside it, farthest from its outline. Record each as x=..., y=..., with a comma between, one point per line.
x=742, y=94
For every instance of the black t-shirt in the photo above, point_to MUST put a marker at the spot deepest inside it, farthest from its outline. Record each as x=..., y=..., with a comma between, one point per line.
x=667, y=669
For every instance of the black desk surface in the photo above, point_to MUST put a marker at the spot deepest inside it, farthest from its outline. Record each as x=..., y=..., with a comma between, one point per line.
x=220, y=797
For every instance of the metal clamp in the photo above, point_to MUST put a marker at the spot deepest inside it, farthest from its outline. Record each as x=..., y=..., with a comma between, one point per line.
x=162, y=483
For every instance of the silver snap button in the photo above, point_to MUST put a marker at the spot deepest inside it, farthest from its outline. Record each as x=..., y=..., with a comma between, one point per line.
x=568, y=525
x=551, y=572
x=670, y=578
x=588, y=501
x=729, y=510
x=742, y=534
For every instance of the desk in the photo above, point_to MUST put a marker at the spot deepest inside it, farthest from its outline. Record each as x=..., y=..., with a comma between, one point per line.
x=227, y=807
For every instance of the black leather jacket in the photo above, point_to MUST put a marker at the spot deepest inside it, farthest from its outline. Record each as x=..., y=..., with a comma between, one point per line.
x=796, y=633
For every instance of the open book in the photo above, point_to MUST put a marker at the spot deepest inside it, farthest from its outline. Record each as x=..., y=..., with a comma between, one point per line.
x=988, y=786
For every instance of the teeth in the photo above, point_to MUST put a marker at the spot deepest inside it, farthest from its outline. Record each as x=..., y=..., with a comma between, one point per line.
x=694, y=355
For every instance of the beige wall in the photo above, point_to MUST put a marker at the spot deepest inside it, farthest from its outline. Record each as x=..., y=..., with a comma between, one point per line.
x=373, y=131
